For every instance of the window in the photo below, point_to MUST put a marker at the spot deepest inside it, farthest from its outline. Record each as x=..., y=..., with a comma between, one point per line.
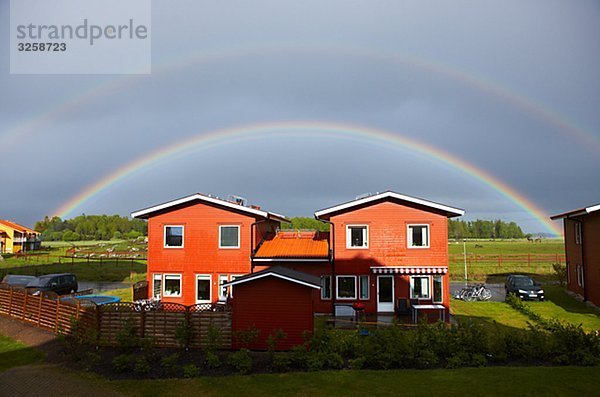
x=203, y=288
x=580, y=278
x=229, y=237
x=418, y=236
x=233, y=278
x=325, y=287
x=577, y=233
x=438, y=295
x=419, y=287
x=346, y=287
x=156, y=286
x=357, y=236
x=364, y=287
x=173, y=236
x=172, y=285
x=223, y=291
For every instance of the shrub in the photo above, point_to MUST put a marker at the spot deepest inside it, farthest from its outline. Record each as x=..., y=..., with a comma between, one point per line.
x=560, y=272
x=184, y=333
x=191, y=371
x=274, y=339
x=91, y=360
x=123, y=363
x=127, y=336
x=212, y=360
x=246, y=337
x=241, y=361
x=281, y=362
x=169, y=363
x=213, y=339
x=142, y=366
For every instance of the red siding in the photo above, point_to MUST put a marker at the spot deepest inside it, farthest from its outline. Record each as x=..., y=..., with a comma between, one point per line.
x=387, y=222
x=270, y=303
x=201, y=253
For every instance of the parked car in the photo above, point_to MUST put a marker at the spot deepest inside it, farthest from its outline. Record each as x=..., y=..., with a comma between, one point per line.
x=524, y=287
x=62, y=284
x=17, y=280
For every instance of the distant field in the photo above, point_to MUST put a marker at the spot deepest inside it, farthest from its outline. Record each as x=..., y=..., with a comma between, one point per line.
x=486, y=247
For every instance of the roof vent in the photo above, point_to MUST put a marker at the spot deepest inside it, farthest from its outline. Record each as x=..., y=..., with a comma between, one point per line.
x=237, y=199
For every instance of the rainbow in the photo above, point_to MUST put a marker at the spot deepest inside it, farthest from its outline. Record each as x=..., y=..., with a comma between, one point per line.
x=588, y=140
x=306, y=128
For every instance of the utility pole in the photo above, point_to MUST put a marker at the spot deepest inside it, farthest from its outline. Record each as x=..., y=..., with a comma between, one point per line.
x=465, y=258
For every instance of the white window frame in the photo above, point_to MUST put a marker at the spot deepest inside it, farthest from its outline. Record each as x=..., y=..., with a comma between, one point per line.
x=578, y=233
x=154, y=278
x=412, y=287
x=360, y=290
x=433, y=289
x=232, y=278
x=238, y=237
x=349, y=237
x=165, y=236
x=204, y=277
x=326, y=276
x=409, y=236
x=337, y=287
x=220, y=279
x=165, y=295
x=580, y=278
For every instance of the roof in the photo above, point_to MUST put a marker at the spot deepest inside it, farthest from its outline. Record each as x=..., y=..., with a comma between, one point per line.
x=295, y=244
x=450, y=211
x=281, y=272
x=18, y=227
x=578, y=212
x=148, y=212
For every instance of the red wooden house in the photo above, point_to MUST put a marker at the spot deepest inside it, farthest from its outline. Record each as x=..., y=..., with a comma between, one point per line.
x=582, y=248
x=197, y=243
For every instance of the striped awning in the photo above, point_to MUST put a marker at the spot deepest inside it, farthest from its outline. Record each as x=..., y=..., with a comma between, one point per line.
x=409, y=269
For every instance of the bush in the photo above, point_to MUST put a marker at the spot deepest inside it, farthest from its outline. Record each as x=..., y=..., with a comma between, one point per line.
x=123, y=363
x=241, y=361
x=281, y=362
x=191, y=371
x=184, y=333
x=127, y=336
x=169, y=363
x=212, y=360
x=274, y=339
x=91, y=360
x=246, y=337
x=213, y=339
x=142, y=366
x=560, y=272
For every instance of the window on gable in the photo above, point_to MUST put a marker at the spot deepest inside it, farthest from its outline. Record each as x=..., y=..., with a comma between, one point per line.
x=229, y=237
x=357, y=236
x=418, y=236
x=173, y=236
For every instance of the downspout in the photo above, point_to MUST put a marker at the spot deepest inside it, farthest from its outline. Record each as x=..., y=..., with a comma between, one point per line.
x=332, y=260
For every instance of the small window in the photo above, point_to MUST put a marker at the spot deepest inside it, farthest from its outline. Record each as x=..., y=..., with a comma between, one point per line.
x=325, y=287
x=577, y=233
x=418, y=236
x=172, y=285
x=223, y=291
x=419, y=287
x=364, y=287
x=229, y=237
x=357, y=236
x=580, y=276
x=203, y=288
x=346, y=287
x=233, y=278
x=438, y=295
x=156, y=286
x=173, y=236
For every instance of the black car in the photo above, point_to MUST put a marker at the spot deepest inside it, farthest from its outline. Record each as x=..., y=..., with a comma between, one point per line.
x=62, y=284
x=524, y=287
x=17, y=280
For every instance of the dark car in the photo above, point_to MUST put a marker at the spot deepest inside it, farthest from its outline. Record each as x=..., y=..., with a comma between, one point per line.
x=17, y=280
x=62, y=284
x=524, y=287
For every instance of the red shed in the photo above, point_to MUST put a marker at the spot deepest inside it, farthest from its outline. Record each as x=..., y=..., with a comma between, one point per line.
x=275, y=298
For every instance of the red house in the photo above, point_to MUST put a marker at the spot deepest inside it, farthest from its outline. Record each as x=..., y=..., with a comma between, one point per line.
x=381, y=250
x=197, y=243
x=582, y=248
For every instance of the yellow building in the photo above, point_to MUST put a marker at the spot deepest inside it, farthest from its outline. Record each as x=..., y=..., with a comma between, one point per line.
x=17, y=238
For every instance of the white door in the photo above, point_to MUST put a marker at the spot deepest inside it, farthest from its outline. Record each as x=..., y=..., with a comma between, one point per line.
x=385, y=294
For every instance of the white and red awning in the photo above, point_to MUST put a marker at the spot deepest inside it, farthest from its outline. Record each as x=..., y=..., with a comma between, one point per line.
x=409, y=269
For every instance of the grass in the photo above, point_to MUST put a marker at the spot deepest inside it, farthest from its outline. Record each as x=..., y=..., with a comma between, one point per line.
x=559, y=305
x=15, y=354
x=126, y=294
x=488, y=314
x=491, y=381
x=495, y=247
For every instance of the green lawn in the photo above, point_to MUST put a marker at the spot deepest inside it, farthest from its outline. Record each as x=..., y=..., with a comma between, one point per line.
x=563, y=307
x=126, y=294
x=487, y=247
x=14, y=354
x=488, y=314
x=491, y=381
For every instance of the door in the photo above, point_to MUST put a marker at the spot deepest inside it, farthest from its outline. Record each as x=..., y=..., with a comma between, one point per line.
x=385, y=294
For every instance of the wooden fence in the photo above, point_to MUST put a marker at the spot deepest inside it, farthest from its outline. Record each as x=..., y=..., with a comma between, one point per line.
x=158, y=325
x=525, y=261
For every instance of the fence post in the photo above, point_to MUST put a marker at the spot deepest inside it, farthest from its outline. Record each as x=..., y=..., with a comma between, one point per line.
x=10, y=302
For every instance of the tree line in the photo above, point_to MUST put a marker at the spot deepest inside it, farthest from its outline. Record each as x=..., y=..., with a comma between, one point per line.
x=91, y=227
x=106, y=227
